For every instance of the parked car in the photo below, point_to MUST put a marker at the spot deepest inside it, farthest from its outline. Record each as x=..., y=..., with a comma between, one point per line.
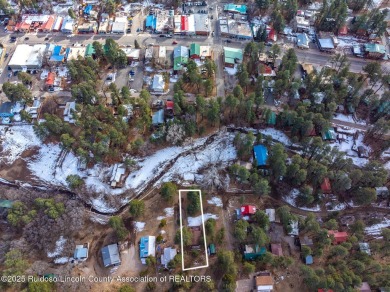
x=13, y=39
x=228, y=41
x=168, y=36
x=26, y=38
x=174, y=43
x=162, y=35
x=46, y=38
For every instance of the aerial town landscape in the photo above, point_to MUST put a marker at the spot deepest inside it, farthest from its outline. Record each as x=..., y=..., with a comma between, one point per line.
x=195, y=146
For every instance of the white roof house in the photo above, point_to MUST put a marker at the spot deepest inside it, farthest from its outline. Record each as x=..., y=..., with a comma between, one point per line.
x=27, y=57
x=271, y=214
x=76, y=52
x=57, y=23
x=67, y=25
x=168, y=255
x=119, y=25
x=158, y=83
x=131, y=53
x=149, y=53
x=202, y=24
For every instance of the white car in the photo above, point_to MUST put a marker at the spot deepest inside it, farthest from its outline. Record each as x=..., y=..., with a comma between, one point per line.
x=69, y=36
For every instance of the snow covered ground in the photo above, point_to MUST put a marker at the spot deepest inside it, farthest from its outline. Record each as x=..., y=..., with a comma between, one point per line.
x=59, y=247
x=215, y=201
x=335, y=207
x=197, y=221
x=346, y=146
x=276, y=135
x=15, y=140
x=349, y=119
x=231, y=71
x=291, y=198
x=377, y=228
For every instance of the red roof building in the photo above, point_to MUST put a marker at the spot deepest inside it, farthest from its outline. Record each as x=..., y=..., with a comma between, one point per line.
x=326, y=186
x=343, y=30
x=169, y=104
x=184, y=23
x=48, y=25
x=50, y=79
x=272, y=35
x=248, y=210
x=276, y=249
x=339, y=236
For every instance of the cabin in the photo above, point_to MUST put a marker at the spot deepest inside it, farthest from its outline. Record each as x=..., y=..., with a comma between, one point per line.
x=110, y=255
x=245, y=212
x=329, y=135
x=264, y=282
x=338, y=236
x=158, y=118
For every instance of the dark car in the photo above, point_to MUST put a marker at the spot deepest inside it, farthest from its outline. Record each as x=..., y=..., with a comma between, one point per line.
x=26, y=38
x=162, y=35
x=128, y=30
x=174, y=43
x=13, y=39
x=46, y=39
x=228, y=41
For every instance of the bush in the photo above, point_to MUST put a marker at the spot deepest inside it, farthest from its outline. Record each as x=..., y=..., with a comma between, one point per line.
x=74, y=181
x=136, y=208
x=193, y=206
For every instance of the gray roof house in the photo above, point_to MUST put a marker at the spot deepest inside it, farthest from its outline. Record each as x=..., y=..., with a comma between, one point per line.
x=158, y=83
x=110, y=255
x=168, y=255
x=158, y=118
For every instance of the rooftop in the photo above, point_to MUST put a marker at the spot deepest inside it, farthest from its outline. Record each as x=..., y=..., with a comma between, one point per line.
x=235, y=8
x=232, y=55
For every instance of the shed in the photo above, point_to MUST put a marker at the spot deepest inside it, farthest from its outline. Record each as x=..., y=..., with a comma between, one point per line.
x=248, y=210
x=339, y=236
x=271, y=119
x=365, y=247
x=147, y=247
x=81, y=252
x=168, y=255
x=211, y=249
x=261, y=155
x=110, y=255
x=276, y=249
x=309, y=260
x=365, y=287
x=326, y=187
x=271, y=214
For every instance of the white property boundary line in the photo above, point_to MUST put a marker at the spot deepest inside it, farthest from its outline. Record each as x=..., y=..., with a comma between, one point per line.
x=181, y=232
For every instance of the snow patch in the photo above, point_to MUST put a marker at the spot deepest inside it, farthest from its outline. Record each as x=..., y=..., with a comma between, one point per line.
x=15, y=140
x=60, y=243
x=376, y=229
x=139, y=226
x=291, y=199
x=61, y=260
x=215, y=201
x=168, y=213
x=197, y=221
x=335, y=207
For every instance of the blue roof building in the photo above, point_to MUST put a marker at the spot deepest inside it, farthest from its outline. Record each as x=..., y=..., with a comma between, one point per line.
x=309, y=260
x=6, y=110
x=151, y=21
x=261, y=155
x=88, y=9
x=81, y=252
x=235, y=8
x=59, y=54
x=147, y=247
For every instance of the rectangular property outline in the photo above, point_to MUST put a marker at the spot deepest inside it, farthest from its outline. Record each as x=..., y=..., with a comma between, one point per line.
x=181, y=232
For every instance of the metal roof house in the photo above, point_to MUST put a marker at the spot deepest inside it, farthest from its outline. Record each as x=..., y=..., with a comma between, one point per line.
x=302, y=41
x=232, y=56
x=110, y=255
x=27, y=57
x=194, y=51
x=309, y=260
x=235, y=8
x=264, y=282
x=158, y=118
x=147, y=247
x=6, y=109
x=59, y=54
x=180, y=57
x=260, y=153
x=89, y=51
x=67, y=25
x=150, y=22
x=375, y=51
x=168, y=255
x=158, y=84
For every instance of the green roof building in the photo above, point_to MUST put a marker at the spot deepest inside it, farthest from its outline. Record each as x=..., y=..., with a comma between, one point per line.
x=89, y=51
x=254, y=251
x=194, y=50
x=7, y=204
x=232, y=56
x=329, y=135
x=235, y=8
x=376, y=51
x=271, y=119
x=180, y=57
